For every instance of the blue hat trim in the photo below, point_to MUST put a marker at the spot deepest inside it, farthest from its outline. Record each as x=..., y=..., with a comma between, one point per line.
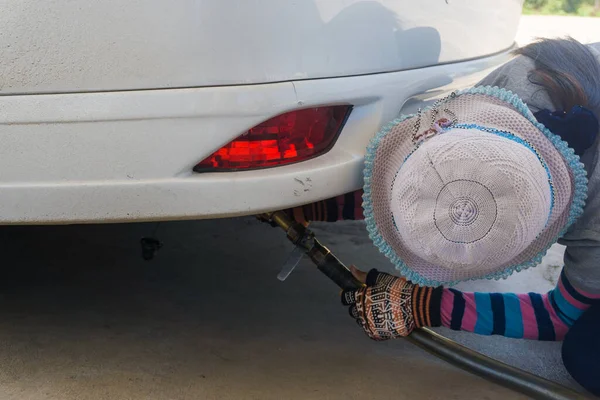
x=571, y=159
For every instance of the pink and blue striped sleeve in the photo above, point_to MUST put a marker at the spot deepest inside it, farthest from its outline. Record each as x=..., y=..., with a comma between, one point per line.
x=530, y=316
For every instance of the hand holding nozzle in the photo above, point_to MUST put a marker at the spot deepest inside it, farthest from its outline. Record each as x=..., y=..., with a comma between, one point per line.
x=428, y=340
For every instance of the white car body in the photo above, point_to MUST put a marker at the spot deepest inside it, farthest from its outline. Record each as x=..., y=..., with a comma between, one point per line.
x=106, y=105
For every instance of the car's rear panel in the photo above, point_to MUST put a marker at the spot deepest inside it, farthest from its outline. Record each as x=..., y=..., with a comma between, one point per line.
x=129, y=155
x=106, y=106
x=77, y=46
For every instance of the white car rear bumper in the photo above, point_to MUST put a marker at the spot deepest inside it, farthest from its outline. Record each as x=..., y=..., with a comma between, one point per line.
x=125, y=156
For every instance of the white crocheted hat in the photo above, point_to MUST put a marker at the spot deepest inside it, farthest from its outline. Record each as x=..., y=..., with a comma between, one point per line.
x=472, y=187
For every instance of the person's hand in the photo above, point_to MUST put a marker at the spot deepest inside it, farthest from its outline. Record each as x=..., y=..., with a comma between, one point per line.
x=384, y=307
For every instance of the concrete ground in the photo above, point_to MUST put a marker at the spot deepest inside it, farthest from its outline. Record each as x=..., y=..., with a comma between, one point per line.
x=586, y=30
x=83, y=317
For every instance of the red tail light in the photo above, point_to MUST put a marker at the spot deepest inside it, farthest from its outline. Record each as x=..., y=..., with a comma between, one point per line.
x=288, y=138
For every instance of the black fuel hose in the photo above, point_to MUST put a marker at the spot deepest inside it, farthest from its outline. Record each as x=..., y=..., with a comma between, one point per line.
x=450, y=351
x=435, y=344
x=490, y=369
x=463, y=357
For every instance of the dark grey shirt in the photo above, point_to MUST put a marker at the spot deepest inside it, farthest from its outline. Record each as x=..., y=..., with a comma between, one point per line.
x=582, y=256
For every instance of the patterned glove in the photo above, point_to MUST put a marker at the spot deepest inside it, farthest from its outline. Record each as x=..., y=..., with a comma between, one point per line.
x=391, y=307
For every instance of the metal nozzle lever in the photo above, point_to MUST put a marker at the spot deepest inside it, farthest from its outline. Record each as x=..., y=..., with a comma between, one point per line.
x=291, y=263
x=306, y=243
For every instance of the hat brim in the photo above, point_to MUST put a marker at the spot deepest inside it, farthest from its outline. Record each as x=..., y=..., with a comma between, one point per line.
x=489, y=107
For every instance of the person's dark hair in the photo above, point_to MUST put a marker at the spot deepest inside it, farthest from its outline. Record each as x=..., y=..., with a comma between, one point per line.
x=567, y=70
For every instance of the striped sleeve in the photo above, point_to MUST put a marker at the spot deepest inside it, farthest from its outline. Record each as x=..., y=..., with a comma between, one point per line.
x=344, y=207
x=531, y=316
